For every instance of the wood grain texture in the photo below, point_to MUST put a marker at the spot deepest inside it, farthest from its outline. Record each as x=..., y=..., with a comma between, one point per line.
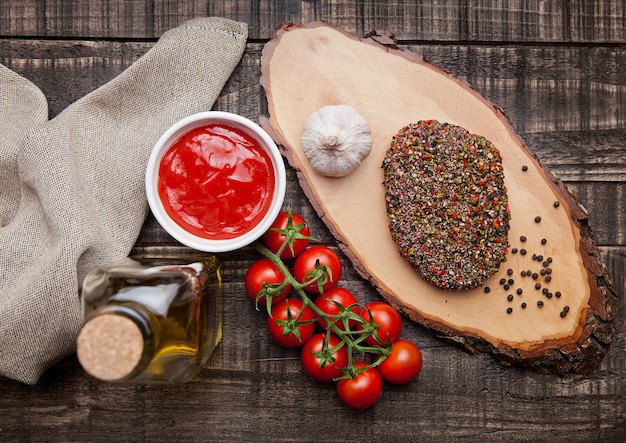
x=514, y=21
x=556, y=69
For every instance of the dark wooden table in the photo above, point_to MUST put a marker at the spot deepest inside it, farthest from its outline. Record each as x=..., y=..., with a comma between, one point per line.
x=557, y=68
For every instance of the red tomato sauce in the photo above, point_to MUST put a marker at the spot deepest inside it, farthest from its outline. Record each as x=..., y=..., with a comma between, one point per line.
x=216, y=182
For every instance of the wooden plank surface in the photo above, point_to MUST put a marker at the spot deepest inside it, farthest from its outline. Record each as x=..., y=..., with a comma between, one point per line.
x=583, y=21
x=556, y=68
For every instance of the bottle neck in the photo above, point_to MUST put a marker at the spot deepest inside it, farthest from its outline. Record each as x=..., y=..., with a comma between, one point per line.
x=116, y=342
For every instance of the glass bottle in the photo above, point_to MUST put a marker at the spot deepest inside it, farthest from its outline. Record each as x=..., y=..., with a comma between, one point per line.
x=150, y=320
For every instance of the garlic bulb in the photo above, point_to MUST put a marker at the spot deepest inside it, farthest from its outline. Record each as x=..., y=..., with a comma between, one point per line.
x=336, y=139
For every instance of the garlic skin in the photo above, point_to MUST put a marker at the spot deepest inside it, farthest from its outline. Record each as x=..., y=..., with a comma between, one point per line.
x=336, y=139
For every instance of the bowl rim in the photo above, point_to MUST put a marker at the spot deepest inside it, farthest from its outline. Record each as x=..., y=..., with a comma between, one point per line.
x=173, y=133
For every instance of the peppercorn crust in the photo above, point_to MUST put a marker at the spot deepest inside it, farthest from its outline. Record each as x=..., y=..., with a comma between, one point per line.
x=447, y=203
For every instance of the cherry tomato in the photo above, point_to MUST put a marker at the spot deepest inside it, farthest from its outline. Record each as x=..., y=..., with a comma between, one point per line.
x=282, y=320
x=273, y=239
x=362, y=391
x=326, y=302
x=261, y=273
x=403, y=364
x=306, y=263
x=387, y=317
x=333, y=362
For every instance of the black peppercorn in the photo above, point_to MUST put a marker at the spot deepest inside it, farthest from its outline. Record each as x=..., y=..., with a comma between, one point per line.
x=544, y=241
x=557, y=294
x=510, y=297
x=522, y=251
x=537, y=286
x=557, y=204
x=523, y=305
x=540, y=304
x=524, y=168
x=487, y=289
x=537, y=219
x=509, y=310
x=522, y=238
x=519, y=291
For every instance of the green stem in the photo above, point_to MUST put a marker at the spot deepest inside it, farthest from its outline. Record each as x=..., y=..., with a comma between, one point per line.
x=351, y=338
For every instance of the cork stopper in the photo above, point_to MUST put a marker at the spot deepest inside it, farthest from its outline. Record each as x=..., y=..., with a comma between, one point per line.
x=110, y=346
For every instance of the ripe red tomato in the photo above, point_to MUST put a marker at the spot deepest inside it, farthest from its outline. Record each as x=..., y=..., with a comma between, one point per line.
x=283, y=320
x=261, y=273
x=326, y=302
x=274, y=238
x=312, y=364
x=362, y=391
x=306, y=265
x=403, y=364
x=387, y=317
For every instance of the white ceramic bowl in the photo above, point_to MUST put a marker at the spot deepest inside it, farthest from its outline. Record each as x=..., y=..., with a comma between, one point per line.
x=172, y=135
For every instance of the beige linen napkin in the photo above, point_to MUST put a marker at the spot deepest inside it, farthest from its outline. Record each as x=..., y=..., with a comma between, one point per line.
x=72, y=189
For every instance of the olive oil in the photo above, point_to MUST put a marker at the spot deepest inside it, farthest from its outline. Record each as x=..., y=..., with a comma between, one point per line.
x=150, y=321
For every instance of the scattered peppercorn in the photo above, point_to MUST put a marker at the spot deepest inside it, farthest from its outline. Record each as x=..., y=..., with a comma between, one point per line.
x=514, y=250
x=509, y=271
x=557, y=204
x=509, y=310
x=519, y=291
x=537, y=219
x=557, y=294
x=524, y=168
x=522, y=251
x=563, y=314
x=523, y=305
x=510, y=297
x=487, y=289
x=540, y=304
x=506, y=287
x=523, y=273
x=548, y=279
x=537, y=286
x=566, y=308
x=549, y=294
x=544, y=241
x=535, y=276
x=511, y=281
x=523, y=238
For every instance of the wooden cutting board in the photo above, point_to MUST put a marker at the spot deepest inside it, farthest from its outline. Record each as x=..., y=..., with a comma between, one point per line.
x=307, y=67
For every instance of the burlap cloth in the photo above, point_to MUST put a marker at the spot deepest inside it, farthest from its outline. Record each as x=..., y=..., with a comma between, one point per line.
x=72, y=192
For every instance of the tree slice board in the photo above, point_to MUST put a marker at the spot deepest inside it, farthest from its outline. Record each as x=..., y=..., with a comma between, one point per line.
x=307, y=67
